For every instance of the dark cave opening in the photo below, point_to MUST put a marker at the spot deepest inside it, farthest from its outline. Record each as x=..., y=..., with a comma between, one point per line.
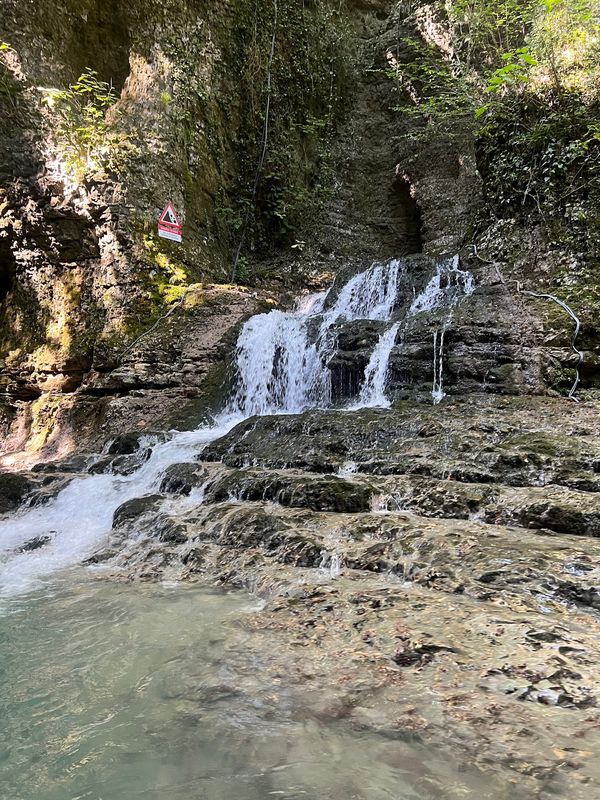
x=7, y=267
x=406, y=216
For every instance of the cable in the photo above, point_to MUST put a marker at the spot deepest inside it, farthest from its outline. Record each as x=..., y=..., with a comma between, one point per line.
x=263, y=152
x=546, y=296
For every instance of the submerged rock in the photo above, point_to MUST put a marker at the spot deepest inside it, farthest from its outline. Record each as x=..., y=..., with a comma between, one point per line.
x=422, y=570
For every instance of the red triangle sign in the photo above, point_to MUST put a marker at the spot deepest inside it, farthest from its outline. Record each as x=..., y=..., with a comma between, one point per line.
x=169, y=216
x=169, y=226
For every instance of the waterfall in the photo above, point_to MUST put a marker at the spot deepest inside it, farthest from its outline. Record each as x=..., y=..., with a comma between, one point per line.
x=279, y=369
x=281, y=357
x=373, y=391
x=449, y=284
x=445, y=290
x=80, y=516
x=368, y=295
x=281, y=361
x=437, y=389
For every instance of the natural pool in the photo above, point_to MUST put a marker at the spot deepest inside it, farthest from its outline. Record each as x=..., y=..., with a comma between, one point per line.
x=116, y=691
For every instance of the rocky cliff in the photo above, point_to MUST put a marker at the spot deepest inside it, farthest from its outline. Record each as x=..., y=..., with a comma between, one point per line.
x=347, y=178
x=82, y=272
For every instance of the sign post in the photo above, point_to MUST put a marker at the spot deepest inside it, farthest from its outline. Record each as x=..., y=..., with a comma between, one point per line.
x=169, y=226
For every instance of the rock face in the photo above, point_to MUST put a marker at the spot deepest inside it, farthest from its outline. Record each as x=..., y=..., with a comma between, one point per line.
x=82, y=271
x=83, y=274
x=427, y=571
x=423, y=569
x=181, y=365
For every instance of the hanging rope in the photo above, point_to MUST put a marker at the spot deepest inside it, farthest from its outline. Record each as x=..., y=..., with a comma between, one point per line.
x=561, y=303
x=263, y=151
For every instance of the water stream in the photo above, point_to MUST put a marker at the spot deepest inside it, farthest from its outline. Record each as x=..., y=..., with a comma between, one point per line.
x=376, y=372
x=282, y=367
x=445, y=290
x=145, y=691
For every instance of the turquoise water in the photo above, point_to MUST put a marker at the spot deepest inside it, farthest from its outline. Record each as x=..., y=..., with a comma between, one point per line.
x=92, y=684
x=119, y=691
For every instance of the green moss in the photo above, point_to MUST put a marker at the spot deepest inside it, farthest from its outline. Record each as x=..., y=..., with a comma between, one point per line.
x=536, y=442
x=166, y=276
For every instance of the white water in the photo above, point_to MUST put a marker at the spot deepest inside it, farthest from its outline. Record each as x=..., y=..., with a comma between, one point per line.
x=445, y=289
x=282, y=356
x=372, y=394
x=437, y=389
x=368, y=295
x=331, y=564
x=80, y=516
x=282, y=368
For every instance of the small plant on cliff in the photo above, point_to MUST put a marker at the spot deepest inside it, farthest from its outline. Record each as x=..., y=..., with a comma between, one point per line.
x=81, y=129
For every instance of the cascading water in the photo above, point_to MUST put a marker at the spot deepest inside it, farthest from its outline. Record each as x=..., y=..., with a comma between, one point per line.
x=449, y=284
x=373, y=391
x=437, y=389
x=80, y=516
x=445, y=290
x=282, y=368
x=368, y=295
x=282, y=356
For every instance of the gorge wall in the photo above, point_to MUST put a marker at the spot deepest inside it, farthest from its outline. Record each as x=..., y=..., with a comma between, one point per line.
x=346, y=180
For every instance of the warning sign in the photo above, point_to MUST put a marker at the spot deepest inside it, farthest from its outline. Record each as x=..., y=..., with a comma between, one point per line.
x=169, y=226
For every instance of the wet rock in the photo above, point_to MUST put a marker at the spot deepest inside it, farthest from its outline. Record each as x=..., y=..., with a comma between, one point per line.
x=543, y=636
x=120, y=465
x=317, y=493
x=169, y=531
x=194, y=559
x=479, y=441
x=14, y=488
x=132, y=510
x=576, y=593
x=101, y=556
x=182, y=478
x=76, y=463
x=124, y=444
x=572, y=513
x=34, y=544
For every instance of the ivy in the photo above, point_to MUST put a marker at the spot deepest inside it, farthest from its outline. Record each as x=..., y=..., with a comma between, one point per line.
x=81, y=130
x=311, y=72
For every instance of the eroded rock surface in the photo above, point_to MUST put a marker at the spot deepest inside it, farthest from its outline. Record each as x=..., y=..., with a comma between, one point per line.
x=428, y=573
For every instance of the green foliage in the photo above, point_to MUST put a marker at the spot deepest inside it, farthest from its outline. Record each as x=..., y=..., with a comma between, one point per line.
x=483, y=30
x=311, y=72
x=539, y=141
x=82, y=132
x=542, y=157
x=530, y=70
x=431, y=90
x=514, y=71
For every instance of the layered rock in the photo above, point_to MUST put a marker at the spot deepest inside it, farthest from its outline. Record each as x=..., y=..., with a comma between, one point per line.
x=425, y=571
x=82, y=271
